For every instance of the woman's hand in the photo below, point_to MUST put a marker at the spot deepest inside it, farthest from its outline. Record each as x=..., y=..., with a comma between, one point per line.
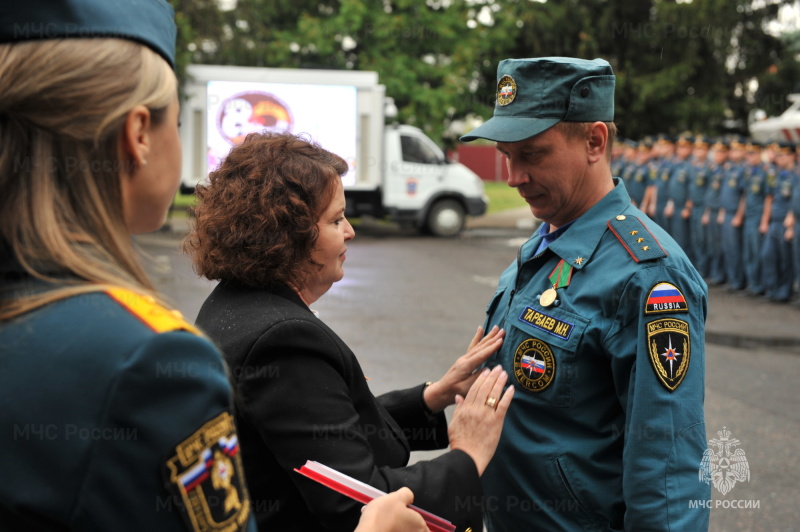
x=462, y=374
x=478, y=418
x=390, y=513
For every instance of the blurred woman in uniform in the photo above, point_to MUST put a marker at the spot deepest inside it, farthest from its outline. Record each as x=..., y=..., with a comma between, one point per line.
x=116, y=412
x=271, y=226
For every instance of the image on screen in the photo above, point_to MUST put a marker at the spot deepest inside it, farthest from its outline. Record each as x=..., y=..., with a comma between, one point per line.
x=326, y=114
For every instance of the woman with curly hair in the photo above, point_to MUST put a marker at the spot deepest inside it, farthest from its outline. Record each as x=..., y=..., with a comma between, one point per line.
x=271, y=227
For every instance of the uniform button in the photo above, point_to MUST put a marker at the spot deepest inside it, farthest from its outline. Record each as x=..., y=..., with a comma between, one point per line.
x=621, y=217
x=585, y=92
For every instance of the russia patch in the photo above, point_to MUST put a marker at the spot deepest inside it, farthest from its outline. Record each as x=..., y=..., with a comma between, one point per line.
x=665, y=297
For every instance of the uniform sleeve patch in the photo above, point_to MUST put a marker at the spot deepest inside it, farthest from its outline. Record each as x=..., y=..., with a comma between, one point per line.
x=665, y=297
x=534, y=365
x=669, y=349
x=636, y=238
x=206, y=474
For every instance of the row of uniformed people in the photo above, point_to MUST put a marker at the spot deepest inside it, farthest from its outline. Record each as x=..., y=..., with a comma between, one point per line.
x=733, y=205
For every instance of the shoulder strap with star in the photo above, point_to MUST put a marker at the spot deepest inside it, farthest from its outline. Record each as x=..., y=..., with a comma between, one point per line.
x=636, y=238
x=150, y=312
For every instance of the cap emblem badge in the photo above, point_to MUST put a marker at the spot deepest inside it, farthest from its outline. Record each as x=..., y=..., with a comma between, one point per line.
x=506, y=90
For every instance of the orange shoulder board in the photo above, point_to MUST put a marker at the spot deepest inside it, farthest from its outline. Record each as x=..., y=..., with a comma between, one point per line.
x=150, y=312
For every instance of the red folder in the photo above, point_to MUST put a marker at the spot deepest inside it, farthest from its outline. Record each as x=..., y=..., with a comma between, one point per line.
x=364, y=493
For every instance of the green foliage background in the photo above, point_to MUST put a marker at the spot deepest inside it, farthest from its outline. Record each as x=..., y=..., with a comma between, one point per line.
x=680, y=66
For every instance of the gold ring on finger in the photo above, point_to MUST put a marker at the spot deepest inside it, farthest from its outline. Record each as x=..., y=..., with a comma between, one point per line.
x=491, y=402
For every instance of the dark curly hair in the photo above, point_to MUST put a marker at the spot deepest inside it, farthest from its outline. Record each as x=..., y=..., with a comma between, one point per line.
x=256, y=221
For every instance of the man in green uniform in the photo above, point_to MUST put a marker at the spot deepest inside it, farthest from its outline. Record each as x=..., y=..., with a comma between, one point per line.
x=604, y=318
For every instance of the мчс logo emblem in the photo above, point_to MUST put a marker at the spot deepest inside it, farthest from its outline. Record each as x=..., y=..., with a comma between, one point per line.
x=723, y=464
x=669, y=347
x=506, y=90
x=534, y=365
x=206, y=474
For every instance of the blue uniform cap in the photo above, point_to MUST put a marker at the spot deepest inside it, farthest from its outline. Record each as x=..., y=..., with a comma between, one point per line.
x=149, y=22
x=720, y=145
x=535, y=94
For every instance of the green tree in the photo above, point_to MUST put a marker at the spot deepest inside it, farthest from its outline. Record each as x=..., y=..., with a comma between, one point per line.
x=421, y=50
x=686, y=65
x=781, y=77
x=197, y=21
x=679, y=66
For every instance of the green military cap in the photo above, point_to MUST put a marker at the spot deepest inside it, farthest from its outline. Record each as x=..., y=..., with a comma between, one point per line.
x=535, y=94
x=149, y=22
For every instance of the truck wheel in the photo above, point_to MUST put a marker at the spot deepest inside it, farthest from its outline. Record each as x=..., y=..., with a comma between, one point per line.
x=446, y=218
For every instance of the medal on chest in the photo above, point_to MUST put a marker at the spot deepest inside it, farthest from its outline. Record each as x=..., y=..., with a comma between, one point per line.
x=559, y=278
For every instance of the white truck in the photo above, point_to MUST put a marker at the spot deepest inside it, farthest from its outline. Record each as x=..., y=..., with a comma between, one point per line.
x=396, y=171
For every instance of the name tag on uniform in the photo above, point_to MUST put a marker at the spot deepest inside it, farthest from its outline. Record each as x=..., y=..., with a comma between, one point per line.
x=545, y=322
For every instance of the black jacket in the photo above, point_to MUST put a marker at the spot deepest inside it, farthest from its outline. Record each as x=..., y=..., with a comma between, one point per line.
x=300, y=394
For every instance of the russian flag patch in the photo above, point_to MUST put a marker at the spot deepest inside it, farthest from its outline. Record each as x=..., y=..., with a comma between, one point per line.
x=665, y=297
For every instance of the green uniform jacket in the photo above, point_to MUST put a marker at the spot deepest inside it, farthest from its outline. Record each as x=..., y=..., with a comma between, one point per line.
x=108, y=423
x=606, y=428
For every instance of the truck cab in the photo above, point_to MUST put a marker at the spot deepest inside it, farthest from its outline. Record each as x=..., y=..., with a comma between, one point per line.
x=424, y=188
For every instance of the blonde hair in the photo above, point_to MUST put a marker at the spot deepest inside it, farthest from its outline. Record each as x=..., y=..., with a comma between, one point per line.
x=63, y=104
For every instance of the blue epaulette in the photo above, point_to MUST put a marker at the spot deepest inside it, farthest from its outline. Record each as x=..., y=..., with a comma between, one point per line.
x=634, y=236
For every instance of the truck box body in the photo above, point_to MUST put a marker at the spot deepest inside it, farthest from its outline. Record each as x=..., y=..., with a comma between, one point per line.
x=395, y=170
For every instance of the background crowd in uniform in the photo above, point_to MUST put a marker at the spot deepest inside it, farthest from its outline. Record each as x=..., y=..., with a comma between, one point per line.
x=732, y=204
